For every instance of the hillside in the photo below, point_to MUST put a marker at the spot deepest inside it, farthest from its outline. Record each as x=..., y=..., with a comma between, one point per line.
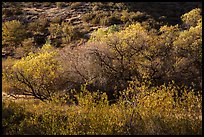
x=92, y=68
x=30, y=11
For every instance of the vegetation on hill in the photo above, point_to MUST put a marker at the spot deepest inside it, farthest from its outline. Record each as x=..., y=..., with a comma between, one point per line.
x=101, y=68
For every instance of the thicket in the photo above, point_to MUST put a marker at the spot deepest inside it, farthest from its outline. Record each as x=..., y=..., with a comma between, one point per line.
x=115, y=56
x=159, y=56
x=140, y=111
x=127, y=71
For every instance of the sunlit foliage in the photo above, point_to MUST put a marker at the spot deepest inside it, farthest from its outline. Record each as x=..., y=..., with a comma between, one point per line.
x=140, y=111
x=134, y=79
x=35, y=74
x=191, y=18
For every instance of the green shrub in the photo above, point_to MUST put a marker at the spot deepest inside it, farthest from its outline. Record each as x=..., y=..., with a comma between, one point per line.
x=55, y=30
x=15, y=114
x=6, y=12
x=46, y=4
x=6, y=65
x=55, y=36
x=160, y=58
x=138, y=16
x=125, y=16
x=95, y=20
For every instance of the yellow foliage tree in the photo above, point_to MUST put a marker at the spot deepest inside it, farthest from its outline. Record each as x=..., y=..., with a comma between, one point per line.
x=36, y=74
x=188, y=49
x=191, y=18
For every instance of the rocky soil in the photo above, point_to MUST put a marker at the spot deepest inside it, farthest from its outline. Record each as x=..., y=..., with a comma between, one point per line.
x=66, y=14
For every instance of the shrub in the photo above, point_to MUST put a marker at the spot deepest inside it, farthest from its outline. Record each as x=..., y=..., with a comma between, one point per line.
x=188, y=49
x=12, y=10
x=75, y=5
x=28, y=45
x=69, y=33
x=95, y=20
x=113, y=28
x=104, y=21
x=140, y=111
x=191, y=18
x=46, y=4
x=60, y=4
x=162, y=110
x=87, y=17
x=6, y=65
x=125, y=16
x=138, y=16
x=36, y=74
x=6, y=12
x=115, y=18
x=55, y=30
x=39, y=26
x=55, y=34
x=13, y=33
x=125, y=49
x=13, y=113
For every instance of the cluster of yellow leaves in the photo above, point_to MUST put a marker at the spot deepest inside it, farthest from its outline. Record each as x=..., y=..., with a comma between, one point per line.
x=39, y=66
x=38, y=72
x=192, y=18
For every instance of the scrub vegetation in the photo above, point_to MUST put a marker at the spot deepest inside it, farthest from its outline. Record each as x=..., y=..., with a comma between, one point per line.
x=116, y=70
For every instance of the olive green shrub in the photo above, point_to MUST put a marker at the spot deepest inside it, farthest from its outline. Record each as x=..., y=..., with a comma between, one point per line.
x=13, y=33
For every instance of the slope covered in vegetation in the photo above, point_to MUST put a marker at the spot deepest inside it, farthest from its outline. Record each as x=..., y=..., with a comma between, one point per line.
x=102, y=68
